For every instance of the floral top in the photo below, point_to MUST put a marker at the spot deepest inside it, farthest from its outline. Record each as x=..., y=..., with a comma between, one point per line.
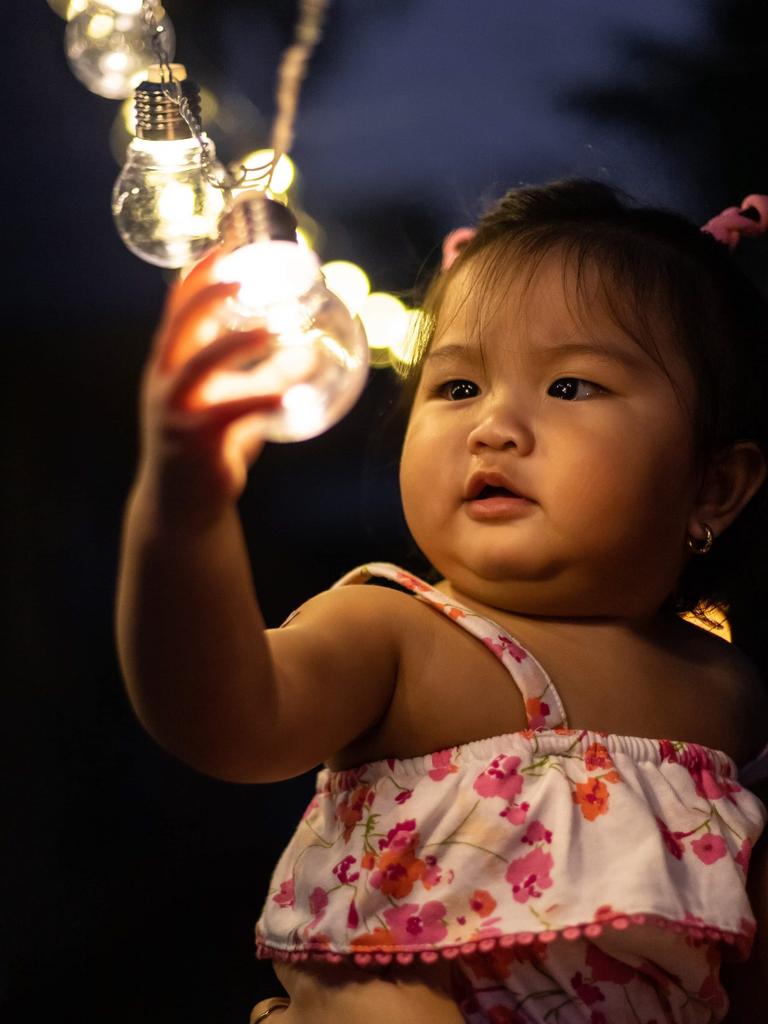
x=594, y=862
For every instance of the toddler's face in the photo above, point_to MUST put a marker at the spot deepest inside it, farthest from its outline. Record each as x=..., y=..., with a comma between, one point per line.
x=596, y=439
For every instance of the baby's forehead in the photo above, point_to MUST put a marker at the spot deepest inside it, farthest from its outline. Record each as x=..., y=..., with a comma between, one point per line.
x=531, y=296
x=555, y=297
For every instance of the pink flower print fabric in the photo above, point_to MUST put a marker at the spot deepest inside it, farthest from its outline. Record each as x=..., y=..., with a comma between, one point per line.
x=441, y=765
x=566, y=875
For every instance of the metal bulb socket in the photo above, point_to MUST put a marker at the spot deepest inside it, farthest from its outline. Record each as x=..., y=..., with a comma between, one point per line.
x=158, y=116
x=255, y=218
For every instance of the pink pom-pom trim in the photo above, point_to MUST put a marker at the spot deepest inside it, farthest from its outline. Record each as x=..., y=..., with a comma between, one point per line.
x=619, y=922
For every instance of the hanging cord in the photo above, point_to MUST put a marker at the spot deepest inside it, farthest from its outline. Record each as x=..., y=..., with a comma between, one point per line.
x=290, y=75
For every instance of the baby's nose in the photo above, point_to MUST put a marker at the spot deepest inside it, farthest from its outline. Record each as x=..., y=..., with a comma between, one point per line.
x=499, y=426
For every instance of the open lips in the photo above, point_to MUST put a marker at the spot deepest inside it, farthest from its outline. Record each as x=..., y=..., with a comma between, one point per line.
x=491, y=485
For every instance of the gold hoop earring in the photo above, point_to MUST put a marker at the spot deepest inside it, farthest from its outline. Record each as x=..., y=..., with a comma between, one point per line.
x=703, y=548
x=267, y=1007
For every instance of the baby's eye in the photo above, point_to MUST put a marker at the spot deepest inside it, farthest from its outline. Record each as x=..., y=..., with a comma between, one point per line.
x=566, y=387
x=456, y=390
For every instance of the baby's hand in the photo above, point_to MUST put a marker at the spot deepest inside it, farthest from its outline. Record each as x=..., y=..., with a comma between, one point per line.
x=197, y=452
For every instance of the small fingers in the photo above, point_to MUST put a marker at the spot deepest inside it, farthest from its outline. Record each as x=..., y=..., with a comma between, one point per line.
x=218, y=416
x=213, y=420
x=227, y=352
x=194, y=326
x=200, y=276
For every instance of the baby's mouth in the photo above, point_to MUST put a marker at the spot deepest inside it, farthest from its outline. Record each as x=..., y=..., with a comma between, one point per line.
x=495, y=492
x=492, y=484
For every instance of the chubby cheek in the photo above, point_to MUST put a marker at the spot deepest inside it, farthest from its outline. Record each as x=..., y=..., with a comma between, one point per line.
x=426, y=475
x=613, y=489
x=412, y=483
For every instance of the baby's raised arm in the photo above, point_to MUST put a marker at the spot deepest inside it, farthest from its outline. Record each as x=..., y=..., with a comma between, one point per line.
x=205, y=678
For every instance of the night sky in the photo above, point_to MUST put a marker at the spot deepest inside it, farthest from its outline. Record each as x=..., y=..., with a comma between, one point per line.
x=132, y=882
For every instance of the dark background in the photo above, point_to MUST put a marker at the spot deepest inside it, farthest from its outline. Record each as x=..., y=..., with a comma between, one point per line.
x=130, y=883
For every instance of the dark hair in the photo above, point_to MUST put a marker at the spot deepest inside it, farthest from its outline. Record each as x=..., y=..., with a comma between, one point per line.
x=651, y=262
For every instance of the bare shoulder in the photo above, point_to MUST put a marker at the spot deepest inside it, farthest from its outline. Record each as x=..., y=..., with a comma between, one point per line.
x=343, y=610
x=750, y=692
x=335, y=666
x=743, y=692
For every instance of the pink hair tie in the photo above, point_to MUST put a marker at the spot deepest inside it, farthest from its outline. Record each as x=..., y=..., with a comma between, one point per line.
x=751, y=218
x=453, y=243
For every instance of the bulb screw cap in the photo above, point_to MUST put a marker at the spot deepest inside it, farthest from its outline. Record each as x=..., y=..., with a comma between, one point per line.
x=158, y=117
x=253, y=218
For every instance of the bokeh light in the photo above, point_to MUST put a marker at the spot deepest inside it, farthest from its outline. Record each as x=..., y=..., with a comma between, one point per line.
x=348, y=281
x=385, y=320
x=259, y=160
x=403, y=351
x=68, y=8
x=718, y=617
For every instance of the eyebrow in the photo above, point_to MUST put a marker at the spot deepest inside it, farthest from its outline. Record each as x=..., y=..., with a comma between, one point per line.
x=609, y=354
x=447, y=352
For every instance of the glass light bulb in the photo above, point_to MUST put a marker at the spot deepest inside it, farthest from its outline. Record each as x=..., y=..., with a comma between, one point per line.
x=109, y=48
x=165, y=210
x=64, y=7
x=318, y=357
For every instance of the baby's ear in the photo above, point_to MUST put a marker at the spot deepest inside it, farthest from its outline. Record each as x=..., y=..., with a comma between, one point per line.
x=732, y=478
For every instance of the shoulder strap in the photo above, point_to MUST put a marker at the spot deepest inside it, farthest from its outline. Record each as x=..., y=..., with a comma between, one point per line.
x=543, y=706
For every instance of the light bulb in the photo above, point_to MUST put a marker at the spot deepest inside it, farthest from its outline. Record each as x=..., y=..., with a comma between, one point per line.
x=66, y=8
x=318, y=357
x=109, y=47
x=165, y=209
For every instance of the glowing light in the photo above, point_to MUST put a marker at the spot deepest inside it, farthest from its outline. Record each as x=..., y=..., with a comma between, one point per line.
x=108, y=45
x=304, y=239
x=272, y=273
x=348, y=281
x=316, y=358
x=304, y=410
x=122, y=6
x=176, y=202
x=67, y=8
x=385, y=319
x=128, y=115
x=403, y=351
x=284, y=174
x=115, y=63
x=164, y=209
x=720, y=628
x=100, y=25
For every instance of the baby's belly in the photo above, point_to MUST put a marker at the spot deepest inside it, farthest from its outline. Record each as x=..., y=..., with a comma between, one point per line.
x=346, y=994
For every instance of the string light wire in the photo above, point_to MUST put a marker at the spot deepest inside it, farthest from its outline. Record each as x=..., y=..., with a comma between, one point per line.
x=290, y=76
